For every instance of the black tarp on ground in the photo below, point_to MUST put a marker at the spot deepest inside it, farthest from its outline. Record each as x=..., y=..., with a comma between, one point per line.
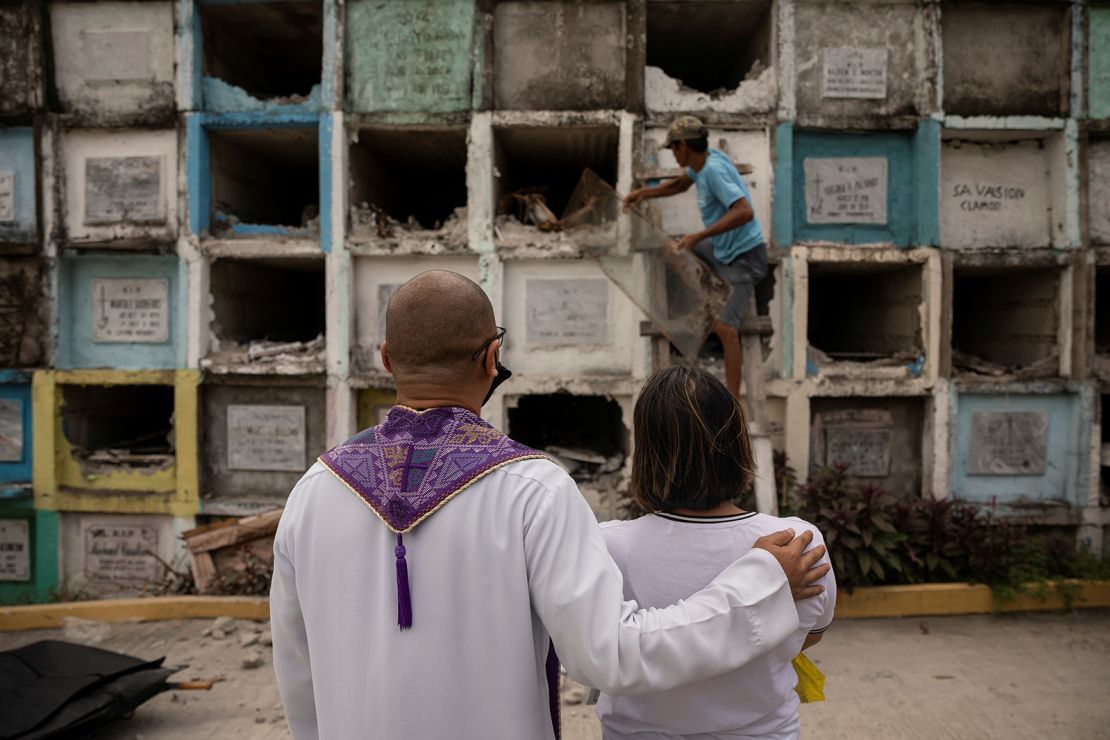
x=54, y=689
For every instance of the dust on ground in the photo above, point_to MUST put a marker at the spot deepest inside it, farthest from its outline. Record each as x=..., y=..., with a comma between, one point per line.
x=1012, y=676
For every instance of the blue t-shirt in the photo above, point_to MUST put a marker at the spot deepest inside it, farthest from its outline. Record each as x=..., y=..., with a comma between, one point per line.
x=719, y=186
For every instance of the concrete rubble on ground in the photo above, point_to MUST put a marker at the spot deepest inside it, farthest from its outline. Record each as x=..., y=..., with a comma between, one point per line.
x=913, y=679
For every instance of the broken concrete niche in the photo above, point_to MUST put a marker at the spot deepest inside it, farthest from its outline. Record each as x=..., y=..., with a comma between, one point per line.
x=878, y=439
x=375, y=279
x=18, y=187
x=121, y=428
x=1098, y=189
x=267, y=316
x=112, y=444
x=409, y=55
x=850, y=70
x=265, y=182
x=1101, y=359
x=566, y=318
x=536, y=171
x=1000, y=189
x=120, y=188
x=586, y=435
x=1005, y=59
x=23, y=314
x=858, y=188
x=863, y=317
x=105, y=555
x=560, y=55
x=261, y=55
x=1006, y=322
x=114, y=61
x=1018, y=452
x=733, y=69
x=679, y=215
x=21, y=67
x=258, y=436
x=408, y=184
x=120, y=311
x=15, y=438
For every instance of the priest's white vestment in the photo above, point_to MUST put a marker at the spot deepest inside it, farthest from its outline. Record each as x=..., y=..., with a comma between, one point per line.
x=512, y=559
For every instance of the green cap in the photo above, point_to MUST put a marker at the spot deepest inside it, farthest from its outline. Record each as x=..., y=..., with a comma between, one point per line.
x=684, y=128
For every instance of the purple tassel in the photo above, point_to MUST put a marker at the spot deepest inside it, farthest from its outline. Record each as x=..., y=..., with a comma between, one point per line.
x=404, y=598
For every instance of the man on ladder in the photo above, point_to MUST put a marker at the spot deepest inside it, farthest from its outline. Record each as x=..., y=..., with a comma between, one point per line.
x=732, y=245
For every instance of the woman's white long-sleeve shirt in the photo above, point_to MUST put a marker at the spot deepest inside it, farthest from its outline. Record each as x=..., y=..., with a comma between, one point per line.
x=515, y=558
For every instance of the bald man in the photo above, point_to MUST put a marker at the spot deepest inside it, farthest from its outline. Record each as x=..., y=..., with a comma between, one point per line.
x=424, y=568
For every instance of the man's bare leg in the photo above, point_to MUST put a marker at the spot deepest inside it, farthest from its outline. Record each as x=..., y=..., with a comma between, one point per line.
x=730, y=341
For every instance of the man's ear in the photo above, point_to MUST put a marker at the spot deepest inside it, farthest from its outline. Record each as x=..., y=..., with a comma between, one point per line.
x=385, y=358
x=489, y=359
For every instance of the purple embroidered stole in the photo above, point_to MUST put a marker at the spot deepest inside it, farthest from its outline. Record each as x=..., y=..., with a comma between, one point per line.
x=408, y=467
x=414, y=463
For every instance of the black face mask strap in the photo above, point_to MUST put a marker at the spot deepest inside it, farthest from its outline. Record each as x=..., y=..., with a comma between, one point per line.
x=503, y=374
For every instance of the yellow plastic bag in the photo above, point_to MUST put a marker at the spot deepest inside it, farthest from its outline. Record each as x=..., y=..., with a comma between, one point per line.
x=811, y=681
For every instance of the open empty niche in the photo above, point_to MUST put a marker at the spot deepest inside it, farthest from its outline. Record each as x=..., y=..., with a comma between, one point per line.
x=268, y=312
x=119, y=426
x=731, y=39
x=1098, y=184
x=268, y=49
x=1005, y=321
x=414, y=177
x=878, y=439
x=1102, y=323
x=584, y=433
x=548, y=162
x=860, y=312
x=264, y=177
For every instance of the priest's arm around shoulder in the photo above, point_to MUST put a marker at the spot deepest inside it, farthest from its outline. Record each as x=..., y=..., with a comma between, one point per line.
x=422, y=566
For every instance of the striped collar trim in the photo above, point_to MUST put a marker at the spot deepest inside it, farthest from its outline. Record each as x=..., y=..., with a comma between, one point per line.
x=703, y=519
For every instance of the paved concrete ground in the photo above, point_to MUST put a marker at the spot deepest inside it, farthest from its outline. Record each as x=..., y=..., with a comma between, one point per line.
x=1014, y=677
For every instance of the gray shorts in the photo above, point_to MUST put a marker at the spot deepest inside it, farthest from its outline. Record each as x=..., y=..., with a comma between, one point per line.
x=743, y=273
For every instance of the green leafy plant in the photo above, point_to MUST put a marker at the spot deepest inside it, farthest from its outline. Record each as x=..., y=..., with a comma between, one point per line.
x=935, y=546
x=874, y=539
x=857, y=522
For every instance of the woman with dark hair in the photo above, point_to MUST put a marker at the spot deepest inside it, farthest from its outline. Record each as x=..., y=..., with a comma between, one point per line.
x=691, y=460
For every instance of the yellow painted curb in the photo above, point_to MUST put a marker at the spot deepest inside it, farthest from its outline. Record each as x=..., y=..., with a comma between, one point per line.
x=930, y=599
x=934, y=599
x=49, y=616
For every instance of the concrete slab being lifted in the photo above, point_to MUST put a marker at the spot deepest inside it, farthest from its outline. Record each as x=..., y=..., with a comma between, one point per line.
x=676, y=291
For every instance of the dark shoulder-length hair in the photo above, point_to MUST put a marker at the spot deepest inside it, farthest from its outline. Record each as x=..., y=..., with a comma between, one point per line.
x=692, y=449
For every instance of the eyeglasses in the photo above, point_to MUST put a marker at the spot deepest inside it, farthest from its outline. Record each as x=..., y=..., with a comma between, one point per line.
x=499, y=335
